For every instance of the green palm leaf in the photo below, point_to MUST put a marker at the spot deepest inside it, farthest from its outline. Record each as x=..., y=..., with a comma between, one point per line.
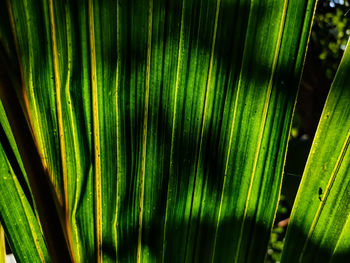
x=319, y=228
x=161, y=125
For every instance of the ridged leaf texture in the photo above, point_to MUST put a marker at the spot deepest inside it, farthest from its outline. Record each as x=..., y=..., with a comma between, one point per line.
x=161, y=126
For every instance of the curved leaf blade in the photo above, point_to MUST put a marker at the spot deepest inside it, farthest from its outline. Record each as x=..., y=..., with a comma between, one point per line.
x=319, y=226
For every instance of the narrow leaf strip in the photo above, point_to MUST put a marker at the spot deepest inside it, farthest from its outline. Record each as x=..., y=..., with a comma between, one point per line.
x=263, y=121
x=96, y=137
x=195, y=204
x=145, y=122
x=2, y=246
x=119, y=164
x=61, y=133
x=178, y=65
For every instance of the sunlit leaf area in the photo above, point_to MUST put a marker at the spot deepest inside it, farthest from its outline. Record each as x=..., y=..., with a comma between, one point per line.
x=174, y=131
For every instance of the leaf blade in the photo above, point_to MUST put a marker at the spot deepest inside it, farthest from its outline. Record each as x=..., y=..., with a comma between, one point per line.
x=323, y=196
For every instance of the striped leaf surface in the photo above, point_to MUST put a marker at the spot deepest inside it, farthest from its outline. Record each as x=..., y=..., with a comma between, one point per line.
x=162, y=125
x=319, y=230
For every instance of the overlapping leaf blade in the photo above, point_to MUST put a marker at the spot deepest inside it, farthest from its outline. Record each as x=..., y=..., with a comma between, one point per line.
x=163, y=124
x=17, y=212
x=319, y=227
x=26, y=239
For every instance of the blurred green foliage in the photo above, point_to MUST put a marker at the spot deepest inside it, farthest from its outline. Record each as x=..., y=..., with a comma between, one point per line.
x=275, y=247
x=331, y=32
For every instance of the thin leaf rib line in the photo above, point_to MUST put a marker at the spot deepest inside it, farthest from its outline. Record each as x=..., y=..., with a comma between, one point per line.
x=60, y=127
x=145, y=122
x=179, y=56
x=116, y=225
x=25, y=209
x=326, y=193
x=96, y=136
x=208, y=88
x=263, y=124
